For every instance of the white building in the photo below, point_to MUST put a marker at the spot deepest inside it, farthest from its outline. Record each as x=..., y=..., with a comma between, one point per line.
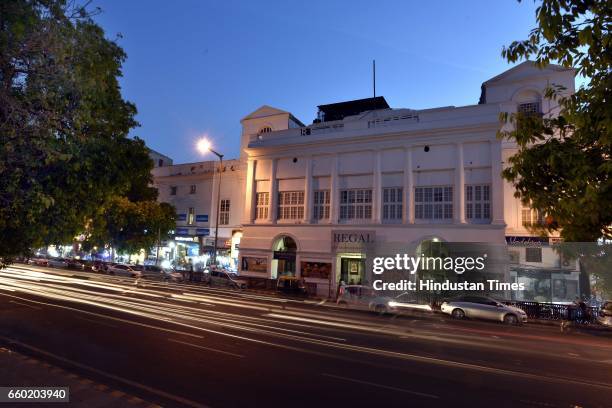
x=192, y=189
x=364, y=171
x=299, y=196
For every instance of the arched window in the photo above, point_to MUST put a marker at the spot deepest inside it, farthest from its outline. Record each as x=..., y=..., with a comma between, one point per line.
x=283, y=262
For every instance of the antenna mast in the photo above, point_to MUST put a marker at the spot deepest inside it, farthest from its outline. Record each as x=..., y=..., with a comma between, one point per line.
x=374, y=76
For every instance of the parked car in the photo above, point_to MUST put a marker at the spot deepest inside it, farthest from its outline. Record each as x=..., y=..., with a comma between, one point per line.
x=363, y=297
x=291, y=284
x=75, y=264
x=123, y=270
x=223, y=278
x=605, y=314
x=172, y=275
x=482, y=307
x=408, y=301
x=38, y=261
x=99, y=266
x=57, y=262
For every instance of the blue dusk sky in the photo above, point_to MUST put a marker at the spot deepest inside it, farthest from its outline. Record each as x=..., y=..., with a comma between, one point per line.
x=197, y=67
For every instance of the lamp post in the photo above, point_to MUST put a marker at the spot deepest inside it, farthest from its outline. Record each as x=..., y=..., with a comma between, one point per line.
x=204, y=146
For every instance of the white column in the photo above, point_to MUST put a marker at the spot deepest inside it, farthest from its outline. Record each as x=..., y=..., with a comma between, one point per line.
x=308, y=195
x=272, y=211
x=249, y=192
x=408, y=216
x=497, y=188
x=460, y=186
x=334, y=195
x=377, y=190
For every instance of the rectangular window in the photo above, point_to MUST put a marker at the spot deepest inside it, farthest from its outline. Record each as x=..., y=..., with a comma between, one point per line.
x=173, y=190
x=355, y=204
x=478, y=203
x=290, y=205
x=320, y=209
x=224, y=213
x=433, y=203
x=262, y=205
x=192, y=189
x=529, y=108
x=533, y=254
x=392, y=203
x=531, y=217
x=191, y=216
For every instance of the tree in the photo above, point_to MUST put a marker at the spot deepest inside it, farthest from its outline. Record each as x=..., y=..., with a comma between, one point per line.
x=563, y=165
x=130, y=226
x=64, y=150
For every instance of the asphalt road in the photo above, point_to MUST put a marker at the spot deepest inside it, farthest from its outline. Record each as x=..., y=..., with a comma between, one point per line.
x=190, y=345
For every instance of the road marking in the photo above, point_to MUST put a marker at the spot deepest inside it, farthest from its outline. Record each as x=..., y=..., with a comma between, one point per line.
x=114, y=318
x=114, y=377
x=25, y=304
x=206, y=348
x=387, y=387
x=96, y=322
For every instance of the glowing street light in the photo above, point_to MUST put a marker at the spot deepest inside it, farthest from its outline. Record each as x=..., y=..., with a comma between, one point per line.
x=204, y=147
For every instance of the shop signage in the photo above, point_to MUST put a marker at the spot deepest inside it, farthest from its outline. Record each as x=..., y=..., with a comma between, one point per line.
x=202, y=232
x=526, y=241
x=181, y=217
x=202, y=218
x=189, y=239
x=254, y=264
x=182, y=231
x=287, y=256
x=345, y=240
x=319, y=270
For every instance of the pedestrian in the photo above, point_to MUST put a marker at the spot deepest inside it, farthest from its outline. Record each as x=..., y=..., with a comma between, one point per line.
x=190, y=271
x=584, y=311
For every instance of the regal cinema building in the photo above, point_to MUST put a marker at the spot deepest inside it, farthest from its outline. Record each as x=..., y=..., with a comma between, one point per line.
x=316, y=195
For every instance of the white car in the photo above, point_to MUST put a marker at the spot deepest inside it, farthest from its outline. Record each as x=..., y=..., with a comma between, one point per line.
x=123, y=270
x=363, y=297
x=482, y=307
x=408, y=302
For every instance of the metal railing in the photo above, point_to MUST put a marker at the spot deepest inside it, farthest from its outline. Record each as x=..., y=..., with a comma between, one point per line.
x=555, y=311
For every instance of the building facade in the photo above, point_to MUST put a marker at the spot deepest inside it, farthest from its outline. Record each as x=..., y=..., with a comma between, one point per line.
x=319, y=201
x=192, y=189
x=364, y=172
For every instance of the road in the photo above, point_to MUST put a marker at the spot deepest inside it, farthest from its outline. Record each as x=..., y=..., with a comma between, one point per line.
x=190, y=345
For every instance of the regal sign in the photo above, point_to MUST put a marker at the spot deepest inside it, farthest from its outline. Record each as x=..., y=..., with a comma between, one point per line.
x=346, y=241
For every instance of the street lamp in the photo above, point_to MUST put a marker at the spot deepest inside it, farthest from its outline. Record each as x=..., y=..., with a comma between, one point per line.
x=204, y=147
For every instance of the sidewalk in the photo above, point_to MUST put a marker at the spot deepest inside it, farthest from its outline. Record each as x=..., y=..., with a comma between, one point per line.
x=19, y=370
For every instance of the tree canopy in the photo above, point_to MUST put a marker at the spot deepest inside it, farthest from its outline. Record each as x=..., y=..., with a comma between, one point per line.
x=563, y=166
x=65, y=153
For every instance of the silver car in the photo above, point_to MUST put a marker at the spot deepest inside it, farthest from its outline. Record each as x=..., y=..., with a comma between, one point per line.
x=481, y=307
x=222, y=278
x=363, y=297
x=123, y=270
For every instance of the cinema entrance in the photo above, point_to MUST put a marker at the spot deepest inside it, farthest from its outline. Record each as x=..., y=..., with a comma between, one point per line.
x=352, y=270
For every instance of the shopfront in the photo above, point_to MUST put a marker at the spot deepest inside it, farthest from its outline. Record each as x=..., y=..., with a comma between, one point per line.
x=284, y=257
x=350, y=248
